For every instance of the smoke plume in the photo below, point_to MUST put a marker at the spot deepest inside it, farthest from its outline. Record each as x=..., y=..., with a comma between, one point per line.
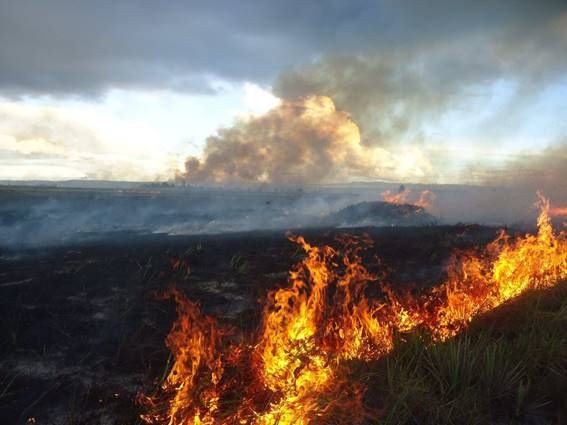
x=378, y=112
x=298, y=142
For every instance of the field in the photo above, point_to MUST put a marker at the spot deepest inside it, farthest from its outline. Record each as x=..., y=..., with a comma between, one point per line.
x=82, y=326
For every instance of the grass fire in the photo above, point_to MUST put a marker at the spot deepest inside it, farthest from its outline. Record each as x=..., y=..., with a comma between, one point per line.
x=375, y=313
x=283, y=213
x=292, y=370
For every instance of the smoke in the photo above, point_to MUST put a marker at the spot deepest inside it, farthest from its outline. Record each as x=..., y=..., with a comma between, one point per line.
x=387, y=94
x=395, y=92
x=542, y=170
x=416, y=102
x=380, y=114
x=50, y=216
x=298, y=142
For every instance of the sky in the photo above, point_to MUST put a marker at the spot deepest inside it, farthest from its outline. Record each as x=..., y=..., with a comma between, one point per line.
x=224, y=92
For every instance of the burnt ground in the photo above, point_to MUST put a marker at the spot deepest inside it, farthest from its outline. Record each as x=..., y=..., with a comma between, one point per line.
x=82, y=331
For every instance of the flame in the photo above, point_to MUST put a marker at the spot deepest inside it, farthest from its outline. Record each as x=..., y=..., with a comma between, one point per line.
x=425, y=201
x=197, y=370
x=558, y=211
x=478, y=283
x=396, y=198
x=332, y=311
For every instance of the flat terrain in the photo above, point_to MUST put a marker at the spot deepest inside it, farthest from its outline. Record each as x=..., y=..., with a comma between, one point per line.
x=82, y=331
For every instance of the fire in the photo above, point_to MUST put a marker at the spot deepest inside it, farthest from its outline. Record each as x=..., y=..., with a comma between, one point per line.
x=396, y=198
x=558, y=211
x=332, y=311
x=478, y=283
x=309, y=328
x=425, y=200
x=197, y=370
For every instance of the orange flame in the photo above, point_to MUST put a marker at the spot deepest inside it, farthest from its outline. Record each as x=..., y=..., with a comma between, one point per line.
x=396, y=198
x=558, y=211
x=335, y=310
x=193, y=380
x=425, y=201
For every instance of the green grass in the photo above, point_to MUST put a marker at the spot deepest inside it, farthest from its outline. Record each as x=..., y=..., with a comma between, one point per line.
x=509, y=367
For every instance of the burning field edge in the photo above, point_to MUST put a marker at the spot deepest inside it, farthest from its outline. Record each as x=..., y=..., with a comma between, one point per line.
x=339, y=345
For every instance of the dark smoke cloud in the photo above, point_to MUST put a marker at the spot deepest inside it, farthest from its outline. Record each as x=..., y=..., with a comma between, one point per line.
x=81, y=47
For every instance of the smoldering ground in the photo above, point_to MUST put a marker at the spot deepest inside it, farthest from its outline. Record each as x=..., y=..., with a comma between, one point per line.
x=39, y=216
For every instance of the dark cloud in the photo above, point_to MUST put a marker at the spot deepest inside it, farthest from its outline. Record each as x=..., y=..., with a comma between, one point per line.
x=83, y=47
x=69, y=46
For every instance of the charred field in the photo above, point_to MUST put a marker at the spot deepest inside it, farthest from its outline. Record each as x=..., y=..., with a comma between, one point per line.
x=283, y=213
x=86, y=319
x=83, y=327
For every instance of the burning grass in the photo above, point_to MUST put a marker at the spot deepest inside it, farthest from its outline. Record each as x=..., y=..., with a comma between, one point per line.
x=297, y=368
x=426, y=198
x=509, y=367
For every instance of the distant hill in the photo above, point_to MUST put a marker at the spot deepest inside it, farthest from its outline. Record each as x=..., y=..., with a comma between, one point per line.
x=379, y=214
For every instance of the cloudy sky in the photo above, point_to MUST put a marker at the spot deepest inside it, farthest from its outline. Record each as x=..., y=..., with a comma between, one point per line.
x=437, y=91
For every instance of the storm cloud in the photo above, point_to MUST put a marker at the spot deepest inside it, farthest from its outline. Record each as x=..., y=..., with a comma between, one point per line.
x=75, y=47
